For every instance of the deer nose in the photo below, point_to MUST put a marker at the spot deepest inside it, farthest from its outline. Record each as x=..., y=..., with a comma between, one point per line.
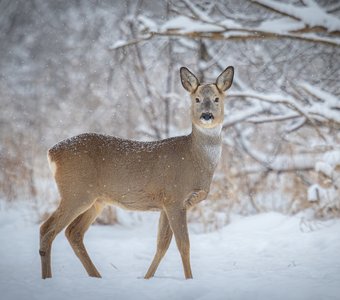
x=207, y=116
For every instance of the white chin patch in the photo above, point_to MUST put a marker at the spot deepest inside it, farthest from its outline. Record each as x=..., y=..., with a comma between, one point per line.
x=207, y=122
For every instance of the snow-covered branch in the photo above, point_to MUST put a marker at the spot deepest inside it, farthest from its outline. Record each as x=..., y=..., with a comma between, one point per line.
x=310, y=15
x=294, y=22
x=328, y=110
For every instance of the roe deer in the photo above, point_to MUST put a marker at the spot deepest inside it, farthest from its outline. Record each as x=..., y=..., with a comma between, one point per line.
x=171, y=175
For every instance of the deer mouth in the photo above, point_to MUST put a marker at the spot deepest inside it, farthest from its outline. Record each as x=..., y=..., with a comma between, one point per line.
x=207, y=117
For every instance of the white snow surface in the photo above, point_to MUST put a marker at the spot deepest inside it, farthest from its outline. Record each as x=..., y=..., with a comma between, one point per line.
x=267, y=256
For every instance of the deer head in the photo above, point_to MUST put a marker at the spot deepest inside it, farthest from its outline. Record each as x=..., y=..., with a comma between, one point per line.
x=207, y=100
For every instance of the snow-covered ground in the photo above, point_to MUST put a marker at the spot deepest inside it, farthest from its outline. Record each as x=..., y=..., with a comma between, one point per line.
x=268, y=256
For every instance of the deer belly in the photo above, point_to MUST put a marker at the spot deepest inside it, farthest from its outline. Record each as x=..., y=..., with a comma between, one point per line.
x=137, y=200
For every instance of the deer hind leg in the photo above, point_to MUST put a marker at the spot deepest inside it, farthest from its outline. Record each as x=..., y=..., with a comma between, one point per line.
x=75, y=235
x=47, y=234
x=178, y=222
x=63, y=216
x=163, y=242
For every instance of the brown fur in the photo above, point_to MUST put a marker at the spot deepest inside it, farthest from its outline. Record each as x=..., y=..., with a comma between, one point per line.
x=171, y=175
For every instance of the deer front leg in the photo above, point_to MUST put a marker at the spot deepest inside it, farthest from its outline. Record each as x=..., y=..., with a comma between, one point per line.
x=177, y=217
x=195, y=197
x=163, y=241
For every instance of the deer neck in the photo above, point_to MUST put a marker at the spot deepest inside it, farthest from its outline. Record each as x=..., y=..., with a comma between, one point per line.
x=207, y=145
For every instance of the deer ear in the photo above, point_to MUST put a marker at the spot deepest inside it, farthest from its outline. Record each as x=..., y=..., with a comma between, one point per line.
x=189, y=80
x=224, y=81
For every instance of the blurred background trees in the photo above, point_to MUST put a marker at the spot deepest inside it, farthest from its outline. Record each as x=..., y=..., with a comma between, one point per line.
x=68, y=67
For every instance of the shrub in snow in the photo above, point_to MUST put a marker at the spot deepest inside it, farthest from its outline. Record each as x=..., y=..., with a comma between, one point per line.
x=325, y=195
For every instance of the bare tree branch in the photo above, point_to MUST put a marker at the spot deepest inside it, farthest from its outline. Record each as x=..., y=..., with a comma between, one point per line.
x=235, y=35
x=290, y=103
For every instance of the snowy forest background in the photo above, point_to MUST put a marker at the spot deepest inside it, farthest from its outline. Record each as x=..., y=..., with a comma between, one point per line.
x=68, y=67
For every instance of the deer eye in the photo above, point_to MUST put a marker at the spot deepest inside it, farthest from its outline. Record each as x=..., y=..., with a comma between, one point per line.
x=216, y=100
x=197, y=100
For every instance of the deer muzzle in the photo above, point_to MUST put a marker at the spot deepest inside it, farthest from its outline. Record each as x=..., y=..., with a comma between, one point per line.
x=207, y=116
